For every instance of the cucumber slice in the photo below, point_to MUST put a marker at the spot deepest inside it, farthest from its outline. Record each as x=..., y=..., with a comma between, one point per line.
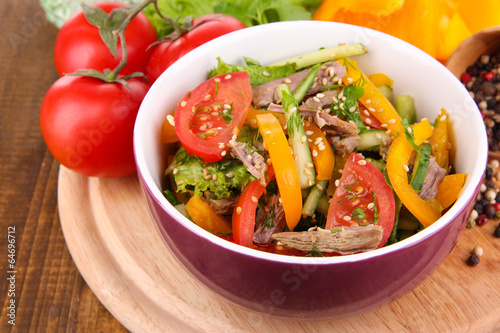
x=421, y=166
x=372, y=139
x=386, y=90
x=405, y=106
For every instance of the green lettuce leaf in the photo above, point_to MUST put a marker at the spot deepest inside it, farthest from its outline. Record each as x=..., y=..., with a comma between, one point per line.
x=254, y=72
x=227, y=176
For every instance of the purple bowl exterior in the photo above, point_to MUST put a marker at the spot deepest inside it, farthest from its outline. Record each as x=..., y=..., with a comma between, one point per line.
x=307, y=291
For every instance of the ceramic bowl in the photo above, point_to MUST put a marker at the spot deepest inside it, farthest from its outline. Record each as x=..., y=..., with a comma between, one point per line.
x=306, y=287
x=486, y=41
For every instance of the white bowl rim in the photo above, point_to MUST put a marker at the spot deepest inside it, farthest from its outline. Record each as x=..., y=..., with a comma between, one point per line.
x=428, y=232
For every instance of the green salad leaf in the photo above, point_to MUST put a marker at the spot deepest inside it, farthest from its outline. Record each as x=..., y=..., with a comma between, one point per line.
x=250, y=12
x=258, y=74
x=220, y=178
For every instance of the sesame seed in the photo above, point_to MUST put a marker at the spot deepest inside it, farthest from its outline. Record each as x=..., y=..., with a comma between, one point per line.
x=254, y=199
x=316, y=99
x=292, y=110
x=371, y=109
x=346, y=218
x=175, y=171
x=378, y=136
x=392, y=121
x=227, y=106
x=350, y=79
x=406, y=167
x=409, y=129
x=180, y=182
x=332, y=55
x=217, y=80
x=287, y=81
x=368, y=122
x=309, y=182
x=370, y=205
x=215, y=113
x=443, y=118
x=324, y=81
x=223, y=153
x=207, y=97
x=352, y=108
x=366, y=112
x=303, y=139
x=171, y=120
x=309, y=165
x=368, y=101
x=183, y=103
x=383, y=125
x=337, y=182
x=335, y=100
x=214, y=177
x=309, y=132
x=229, y=175
x=238, y=210
x=362, y=162
x=227, y=77
x=314, y=153
x=331, y=72
x=320, y=95
x=266, y=73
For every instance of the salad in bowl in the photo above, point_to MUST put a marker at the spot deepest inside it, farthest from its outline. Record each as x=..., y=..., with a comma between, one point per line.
x=308, y=156
x=309, y=170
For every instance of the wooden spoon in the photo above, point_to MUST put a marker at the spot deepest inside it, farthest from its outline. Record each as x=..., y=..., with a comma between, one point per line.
x=468, y=52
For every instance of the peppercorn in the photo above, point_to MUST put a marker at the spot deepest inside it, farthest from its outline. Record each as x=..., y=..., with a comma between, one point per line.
x=490, y=211
x=473, y=260
x=478, y=208
x=488, y=173
x=496, y=233
x=482, y=219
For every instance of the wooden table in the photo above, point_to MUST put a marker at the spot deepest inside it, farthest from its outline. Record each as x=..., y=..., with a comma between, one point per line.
x=50, y=294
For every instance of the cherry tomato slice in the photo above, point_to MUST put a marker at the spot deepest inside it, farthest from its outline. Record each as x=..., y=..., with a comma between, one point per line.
x=208, y=117
x=363, y=197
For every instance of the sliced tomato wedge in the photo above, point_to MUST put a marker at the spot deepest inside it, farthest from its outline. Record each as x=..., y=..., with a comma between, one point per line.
x=368, y=118
x=207, y=117
x=243, y=220
x=362, y=197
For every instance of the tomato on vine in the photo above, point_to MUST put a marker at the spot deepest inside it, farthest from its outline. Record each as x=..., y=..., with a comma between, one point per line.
x=79, y=44
x=188, y=36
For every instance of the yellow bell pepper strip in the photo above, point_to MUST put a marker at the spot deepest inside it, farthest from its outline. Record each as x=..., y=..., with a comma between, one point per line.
x=450, y=188
x=321, y=151
x=243, y=219
x=251, y=119
x=205, y=217
x=426, y=211
x=439, y=141
x=372, y=98
x=168, y=134
x=287, y=178
x=380, y=79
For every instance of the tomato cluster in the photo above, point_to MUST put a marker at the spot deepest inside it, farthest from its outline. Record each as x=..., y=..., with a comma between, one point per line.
x=87, y=120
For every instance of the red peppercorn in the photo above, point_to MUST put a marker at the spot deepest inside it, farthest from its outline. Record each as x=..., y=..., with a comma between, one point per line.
x=497, y=206
x=482, y=220
x=489, y=76
x=465, y=77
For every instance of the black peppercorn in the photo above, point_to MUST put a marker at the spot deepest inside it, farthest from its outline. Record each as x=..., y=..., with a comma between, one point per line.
x=473, y=260
x=488, y=173
x=496, y=233
x=490, y=211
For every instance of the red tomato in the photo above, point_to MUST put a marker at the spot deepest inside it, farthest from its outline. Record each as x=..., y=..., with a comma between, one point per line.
x=368, y=118
x=168, y=52
x=361, y=185
x=207, y=117
x=243, y=220
x=88, y=124
x=79, y=45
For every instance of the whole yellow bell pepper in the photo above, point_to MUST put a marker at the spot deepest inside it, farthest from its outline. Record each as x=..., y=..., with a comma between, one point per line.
x=283, y=163
x=426, y=211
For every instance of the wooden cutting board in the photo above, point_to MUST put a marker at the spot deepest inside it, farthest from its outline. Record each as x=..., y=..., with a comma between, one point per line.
x=115, y=245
